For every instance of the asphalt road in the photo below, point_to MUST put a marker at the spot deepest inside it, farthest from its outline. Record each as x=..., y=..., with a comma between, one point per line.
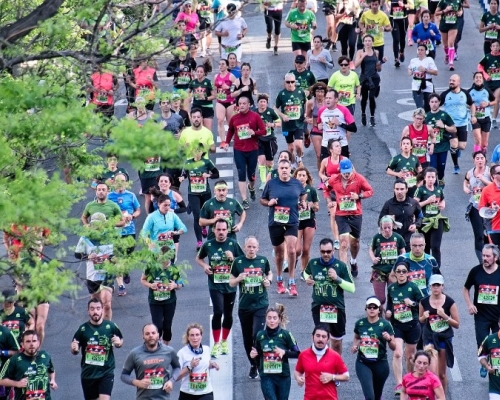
x=370, y=154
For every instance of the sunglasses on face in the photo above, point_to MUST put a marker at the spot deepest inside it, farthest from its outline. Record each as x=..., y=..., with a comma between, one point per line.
x=344, y=65
x=401, y=271
x=372, y=307
x=290, y=82
x=326, y=251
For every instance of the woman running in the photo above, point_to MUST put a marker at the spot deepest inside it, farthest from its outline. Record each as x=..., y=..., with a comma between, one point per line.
x=244, y=86
x=224, y=106
x=318, y=91
x=405, y=166
x=273, y=14
x=234, y=65
x=427, y=33
x=145, y=83
x=483, y=100
x=319, y=60
x=203, y=93
x=490, y=25
x=348, y=16
x=422, y=69
x=398, y=13
x=489, y=66
x=422, y=383
x=449, y=10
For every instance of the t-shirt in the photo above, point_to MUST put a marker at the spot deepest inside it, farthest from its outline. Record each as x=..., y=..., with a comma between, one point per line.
x=15, y=321
x=442, y=135
x=198, y=381
x=96, y=267
x=108, y=208
x=234, y=27
x=485, y=292
x=450, y=18
x=346, y=86
x=421, y=387
x=436, y=324
x=128, y=203
x=36, y=369
x=305, y=79
x=291, y=103
x=409, y=166
x=286, y=212
x=491, y=64
x=156, y=365
x=109, y=176
x=226, y=209
x=192, y=138
x=455, y=104
x=488, y=19
x=330, y=130
x=198, y=185
x=325, y=290
x=200, y=91
x=268, y=116
x=490, y=348
x=478, y=96
x=372, y=346
x=431, y=209
x=98, y=359
x=396, y=294
x=305, y=212
x=219, y=263
x=374, y=24
x=304, y=21
x=156, y=273
x=270, y=363
x=172, y=124
x=429, y=64
x=420, y=269
x=253, y=294
x=388, y=249
x=490, y=194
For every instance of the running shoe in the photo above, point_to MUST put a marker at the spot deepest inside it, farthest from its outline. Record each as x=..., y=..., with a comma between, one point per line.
x=307, y=141
x=363, y=119
x=209, y=52
x=198, y=245
x=410, y=42
x=451, y=67
x=495, y=124
x=456, y=169
x=321, y=186
x=334, y=46
x=203, y=54
x=122, y=291
x=292, y=290
x=397, y=63
x=245, y=204
x=438, y=43
x=354, y=270
x=262, y=186
x=126, y=279
x=402, y=57
x=455, y=57
x=441, y=183
x=446, y=60
x=252, y=192
x=281, y=287
x=483, y=372
x=254, y=372
x=302, y=276
x=299, y=161
x=398, y=389
x=275, y=52
x=285, y=266
x=328, y=45
x=372, y=121
x=204, y=232
x=215, y=350
x=336, y=244
x=224, y=347
x=268, y=43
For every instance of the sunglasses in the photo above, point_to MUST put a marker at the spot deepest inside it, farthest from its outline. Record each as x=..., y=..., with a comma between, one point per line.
x=401, y=271
x=326, y=251
x=436, y=284
x=344, y=65
x=372, y=307
x=290, y=82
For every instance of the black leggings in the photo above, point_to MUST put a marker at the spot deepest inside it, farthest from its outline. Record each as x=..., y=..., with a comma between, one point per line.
x=372, y=376
x=347, y=38
x=196, y=201
x=433, y=239
x=367, y=93
x=223, y=304
x=162, y=316
x=273, y=17
x=252, y=321
x=399, y=28
x=478, y=228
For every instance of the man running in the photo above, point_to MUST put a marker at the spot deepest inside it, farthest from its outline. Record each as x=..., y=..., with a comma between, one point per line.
x=301, y=22
x=101, y=204
x=96, y=339
x=231, y=30
x=155, y=365
x=282, y=195
x=191, y=137
x=405, y=166
x=490, y=198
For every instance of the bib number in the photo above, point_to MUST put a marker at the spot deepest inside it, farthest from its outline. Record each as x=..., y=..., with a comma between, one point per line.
x=272, y=363
x=281, y=214
x=221, y=274
x=328, y=314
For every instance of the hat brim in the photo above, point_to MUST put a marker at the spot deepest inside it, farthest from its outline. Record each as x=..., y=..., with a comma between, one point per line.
x=487, y=212
x=346, y=171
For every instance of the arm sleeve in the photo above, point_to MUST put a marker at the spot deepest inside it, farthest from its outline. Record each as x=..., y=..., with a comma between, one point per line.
x=348, y=286
x=181, y=208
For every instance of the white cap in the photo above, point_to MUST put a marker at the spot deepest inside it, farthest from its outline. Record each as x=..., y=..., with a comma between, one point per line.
x=436, y=278
x=373, y=300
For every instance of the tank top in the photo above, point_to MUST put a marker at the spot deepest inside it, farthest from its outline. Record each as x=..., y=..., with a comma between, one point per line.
x=173, y=203
x=369, y=67
x=247, y=93
x=477, y=186
x=102, y=82
x=315, y=112
x=419, y=139
x=223, y=95
x=141, y=122
x=331, y=168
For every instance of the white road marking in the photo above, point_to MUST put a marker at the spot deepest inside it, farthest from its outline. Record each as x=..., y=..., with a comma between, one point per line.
x=218, y=150
x=224, y=160
x=383, y=118
x=408, y=101
x=455, y=372
x=226, y=173
x=222, y=380
x=407, y=115
x=401, y=91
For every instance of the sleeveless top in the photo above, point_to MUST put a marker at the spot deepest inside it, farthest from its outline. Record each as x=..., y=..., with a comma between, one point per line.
x=369, y=67
x=419, y=139
x=247, y=93
x=223, y=95
x=477, y=186
x=331, y=168
x=141, y=122
x=315, y=112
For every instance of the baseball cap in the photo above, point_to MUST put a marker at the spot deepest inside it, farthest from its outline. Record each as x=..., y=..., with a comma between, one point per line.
x=9, y=295
x=436, y=278
x=345, y=166
x=300, y=59
x=373, y=300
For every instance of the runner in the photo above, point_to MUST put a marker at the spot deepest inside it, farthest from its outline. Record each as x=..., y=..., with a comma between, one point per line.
x=198, y=170
x=313, y=105
x=163, y=279
x=221, y=252
x=431, y=199
x=268, y=145
x=204, y=11
x=102, y=89
x=289, y=105
x=422, y=68
x=349, y=187
x=330, y=278
x=374, y=23
x=422, y=382
x=422, y=137
x=330, y=11
x=490, y=198
x=13, y=317
x=476, y=179
x=488, y=356
x=403, y=298
x=224, y=106
x=282, y=196
x=490, y=25
x=203, y=94
x=320, y=60
x=483, y=100
x=385, y=248
x=246, y=126
x=220, y=206
x=273, y=14
x=109, y=175
x=31, y=373
x=346, y=82
x=245, y=86
x=189, y=16
x=252, y=274
x=145, y=82
x=231, y=30
x=449, y=11
x=446, y=136
x=372, y=335
x=96, y=339
x=439, y=312
x=398, y=15
x=274, y=346
x=347, y=17
x=155, y=366
x=304, y=77
x=177, y=98
x=405, y=166
x=196, y=364
x=283, y=155
x=489, y=66
x=427, y=33
x=301, y=22
x=234, y=65
x=197, y=134
x=182, y=68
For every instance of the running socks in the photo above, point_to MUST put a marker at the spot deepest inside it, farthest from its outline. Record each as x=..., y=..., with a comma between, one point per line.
x=454, y=156
x=291, y=281
x=279, y=279
x=451, y=54
x=477, y=148
x=353, y=261
x=262, y=173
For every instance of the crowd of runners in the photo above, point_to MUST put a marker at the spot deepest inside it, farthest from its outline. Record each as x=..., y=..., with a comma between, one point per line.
x=409, y=313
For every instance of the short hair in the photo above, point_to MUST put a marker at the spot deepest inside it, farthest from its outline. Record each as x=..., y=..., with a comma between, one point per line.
x=244, y=98
x=196, y=110
x=321, y=327
x=164, y=197
x=493, y=170
x=325, y=241
x=335, y=93
x=284, y=161
x=220, y=182
x=289, y=74
x=401, y=181
x=417, y=235
x=222, y=221
x=249, y=238
x=29, y=332
x=263, y=96
x=148, y=324
x=493, y=248
x=94, y=301
x=341, y=59
x=434, y=95
x=419, y=111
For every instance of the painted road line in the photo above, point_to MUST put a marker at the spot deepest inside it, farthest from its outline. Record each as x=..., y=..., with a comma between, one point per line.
x=440, y=89
x=224, y=160
x=218, y=150
x=226, y=173
x=222, y=380
x=455, y=372
x=383, y=118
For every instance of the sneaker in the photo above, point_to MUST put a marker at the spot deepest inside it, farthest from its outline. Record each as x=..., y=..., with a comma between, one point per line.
x=483, y=372
x=410, y=42
x=321, y=186
x=199, y=243
x=328, y=45
x=397, y=64
x=275, y=52
x=298, y=160
x=441, y=183
x=203, y=54
x=280, y=287
x=307, y=141
x=446, y=60
x=456, y=169
x=262, y=186
x=285, y=266
x=455, y=57
x=122, y=291
x=292, y=290
x=451, y=67
x=252, y=192
x=204, y=232
x=398, y=389
x=268, y=43
x=215, y=350
x=495, y=124
x=336, y=244
x=363, y=119
x=254, y=372
x=224, y=347
x=302, y=276
x=126, y=279
x=372, y=121
x=334, y=46
x=402, y=57
x=354, y=270
x=438, y=42
x=245, y=204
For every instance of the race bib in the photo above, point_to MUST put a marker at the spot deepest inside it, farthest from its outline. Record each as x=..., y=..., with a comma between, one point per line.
x=450, y=18
x=198, y=184
x=369, y=347
x=302, y=29
x=292, y=112
x=487, y=294
x=156, y=376
x=477, y=194
x=428, y=44
x=102, y=98
x=272, y=363
x=224, y=214
x=398, y=13
x=243, y=131
x=418, y=277
x=402, y=313
x=495, y=74
x=491, y=35
x=198, y=381
x=388, y=251
x=438, y=132
x=432, y=208
x=304, y=212
x=281, y=214
x=35, y=394
x=145, y=93
x=495, y=358
x=221, y=274
x=419, y=149
x=95, y=354
x=152, y=164
x=418, y=74
x=328, y=314
x=184, y=78
x=253, y=278
x=437, y=323
x=347, y=204
x=221, y=95
x=165, y=239
x=344, y=98
x=410, y=179
x=161, y=293
x=372, y=30
x=480, y=112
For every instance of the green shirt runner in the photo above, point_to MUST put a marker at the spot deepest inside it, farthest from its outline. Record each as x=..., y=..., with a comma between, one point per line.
x=388, y=249
x=270, y=363
x=396, y=294
x=156, y=273
x=372, y=346
x=226, y=209
x=253, y=294
x=15, y=321
x=291, y=103
x=442, y=135
x=304, y=22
